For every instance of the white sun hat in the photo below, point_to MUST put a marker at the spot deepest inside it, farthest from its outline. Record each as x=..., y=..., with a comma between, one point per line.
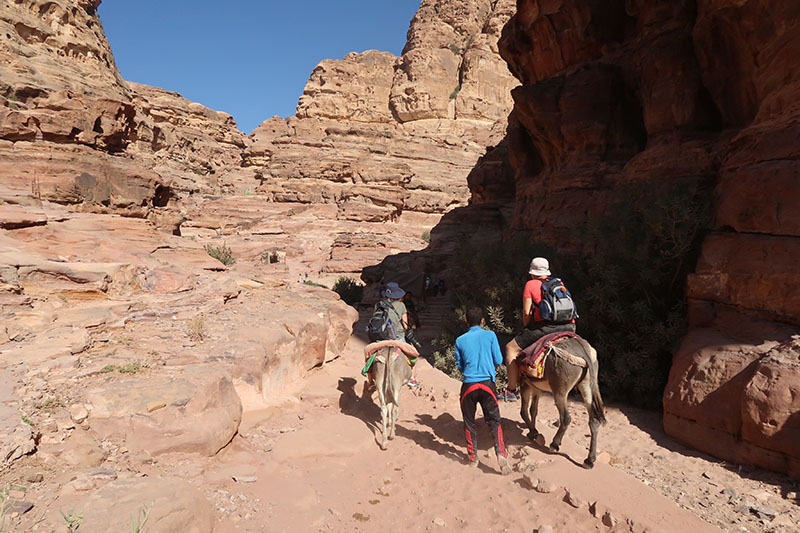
x=540, y=267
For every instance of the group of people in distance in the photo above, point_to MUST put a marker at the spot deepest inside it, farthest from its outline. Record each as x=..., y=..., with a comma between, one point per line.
x=478, y=353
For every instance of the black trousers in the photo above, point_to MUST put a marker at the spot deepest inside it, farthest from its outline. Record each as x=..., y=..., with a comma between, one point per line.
x=484, y=393
x=534, y=332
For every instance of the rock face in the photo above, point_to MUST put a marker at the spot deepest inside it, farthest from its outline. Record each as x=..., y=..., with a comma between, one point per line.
x=697, y=93
x=74, y=132
x=381, y=136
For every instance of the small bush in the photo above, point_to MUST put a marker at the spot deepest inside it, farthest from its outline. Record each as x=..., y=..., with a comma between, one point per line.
x=223, y=254
x=349, y=290
x=130, y=368
x=314, y=284
x=426, y=236
x=455, y=49
x=454, y=94
x=48, y=405
x=196, y=328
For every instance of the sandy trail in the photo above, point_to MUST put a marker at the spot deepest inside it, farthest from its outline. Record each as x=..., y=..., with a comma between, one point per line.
x=312, y=463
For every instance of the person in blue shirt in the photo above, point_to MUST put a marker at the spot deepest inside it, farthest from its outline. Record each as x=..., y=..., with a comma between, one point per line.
x=477, y=355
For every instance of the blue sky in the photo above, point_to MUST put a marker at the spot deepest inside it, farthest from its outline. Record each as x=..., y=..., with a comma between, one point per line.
x=249, y=58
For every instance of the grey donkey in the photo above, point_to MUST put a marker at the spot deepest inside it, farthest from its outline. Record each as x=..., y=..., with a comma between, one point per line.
x=571, y=363
x=391, y=372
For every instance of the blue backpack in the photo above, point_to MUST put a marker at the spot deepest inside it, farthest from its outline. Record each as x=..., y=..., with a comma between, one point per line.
x=557, y=305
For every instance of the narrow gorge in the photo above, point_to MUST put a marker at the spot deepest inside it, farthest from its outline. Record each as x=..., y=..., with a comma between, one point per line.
x=150, y=251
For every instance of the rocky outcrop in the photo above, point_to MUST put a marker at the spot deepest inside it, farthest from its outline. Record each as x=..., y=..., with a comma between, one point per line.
x=701, y=94
x=74, y=132
x=379, y=135
x=166, y=504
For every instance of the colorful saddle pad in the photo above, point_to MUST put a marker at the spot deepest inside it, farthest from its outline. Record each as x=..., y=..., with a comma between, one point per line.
x=531, y=359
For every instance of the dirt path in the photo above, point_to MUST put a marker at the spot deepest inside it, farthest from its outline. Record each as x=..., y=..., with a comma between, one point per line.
x=312, y=464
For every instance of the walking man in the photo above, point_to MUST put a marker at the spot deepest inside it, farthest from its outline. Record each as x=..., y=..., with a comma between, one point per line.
x=478, y=353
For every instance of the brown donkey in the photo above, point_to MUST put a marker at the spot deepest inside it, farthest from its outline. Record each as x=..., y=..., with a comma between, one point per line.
x=571, y=363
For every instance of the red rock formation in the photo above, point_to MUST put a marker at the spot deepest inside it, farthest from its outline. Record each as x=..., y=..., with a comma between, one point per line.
x=699, y=93
x=380, y=136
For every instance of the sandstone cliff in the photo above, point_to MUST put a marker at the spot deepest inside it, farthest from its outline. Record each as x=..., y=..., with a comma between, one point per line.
x=74, y=132
x=698, y=94
x=380, y=135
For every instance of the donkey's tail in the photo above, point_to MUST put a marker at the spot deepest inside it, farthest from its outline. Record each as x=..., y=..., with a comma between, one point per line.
x=597, y=409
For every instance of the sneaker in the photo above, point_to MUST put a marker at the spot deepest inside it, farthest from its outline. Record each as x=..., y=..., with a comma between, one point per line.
x=509, y=396
x=413, y=383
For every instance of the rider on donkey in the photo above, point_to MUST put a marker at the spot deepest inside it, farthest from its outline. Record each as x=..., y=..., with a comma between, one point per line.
x=535, y=327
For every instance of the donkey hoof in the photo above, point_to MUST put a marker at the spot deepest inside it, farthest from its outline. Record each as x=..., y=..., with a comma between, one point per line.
x=555, y=447
x=588, y=464
x=532, y=435
x=384, y=445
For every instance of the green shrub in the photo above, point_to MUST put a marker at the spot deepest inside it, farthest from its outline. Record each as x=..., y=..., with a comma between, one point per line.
x=455, y=92
x=223, y=254
x=314, y=284
x=349, y=289
x=426, y=236
x=629, y=286
x=455, y=49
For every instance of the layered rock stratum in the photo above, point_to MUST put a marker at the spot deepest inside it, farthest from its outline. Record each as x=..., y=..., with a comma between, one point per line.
x=382, y=136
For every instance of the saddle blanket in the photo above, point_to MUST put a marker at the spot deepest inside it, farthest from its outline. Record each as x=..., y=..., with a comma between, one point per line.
x=531, y=359
x=371, y=350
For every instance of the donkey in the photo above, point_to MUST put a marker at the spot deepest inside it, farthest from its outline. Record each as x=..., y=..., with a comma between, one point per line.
x=571, y=363
x=391, y=371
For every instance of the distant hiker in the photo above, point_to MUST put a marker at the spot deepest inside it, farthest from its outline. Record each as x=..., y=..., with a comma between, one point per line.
x=411, y=307
x=442, y=287
x=536, y=298
x=477, y=354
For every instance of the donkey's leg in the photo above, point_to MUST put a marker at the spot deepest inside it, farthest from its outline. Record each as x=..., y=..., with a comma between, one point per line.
x=384, y=422
x=380, y=377
x=529, y=407
x=394, y=412
x=585, y=387
x=560, y=397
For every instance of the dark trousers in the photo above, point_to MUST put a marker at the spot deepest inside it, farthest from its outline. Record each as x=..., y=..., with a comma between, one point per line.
x=536, y=331
x=484, y=393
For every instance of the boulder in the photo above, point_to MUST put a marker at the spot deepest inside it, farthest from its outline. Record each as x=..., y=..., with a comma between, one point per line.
x=202, y=414
x=160, y=504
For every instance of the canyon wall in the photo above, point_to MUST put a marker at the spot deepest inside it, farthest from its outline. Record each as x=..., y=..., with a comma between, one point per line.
x=380, y=135
x=696, y=94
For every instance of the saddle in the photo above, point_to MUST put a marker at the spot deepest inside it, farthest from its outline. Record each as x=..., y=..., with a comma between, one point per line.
x=371, y=351
x=531, y=359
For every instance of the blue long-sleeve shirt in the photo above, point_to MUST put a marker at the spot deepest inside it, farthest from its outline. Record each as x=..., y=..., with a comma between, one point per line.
x=477, y=353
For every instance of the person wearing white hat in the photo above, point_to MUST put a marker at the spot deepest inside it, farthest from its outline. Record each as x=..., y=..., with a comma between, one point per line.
x=534, y=326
